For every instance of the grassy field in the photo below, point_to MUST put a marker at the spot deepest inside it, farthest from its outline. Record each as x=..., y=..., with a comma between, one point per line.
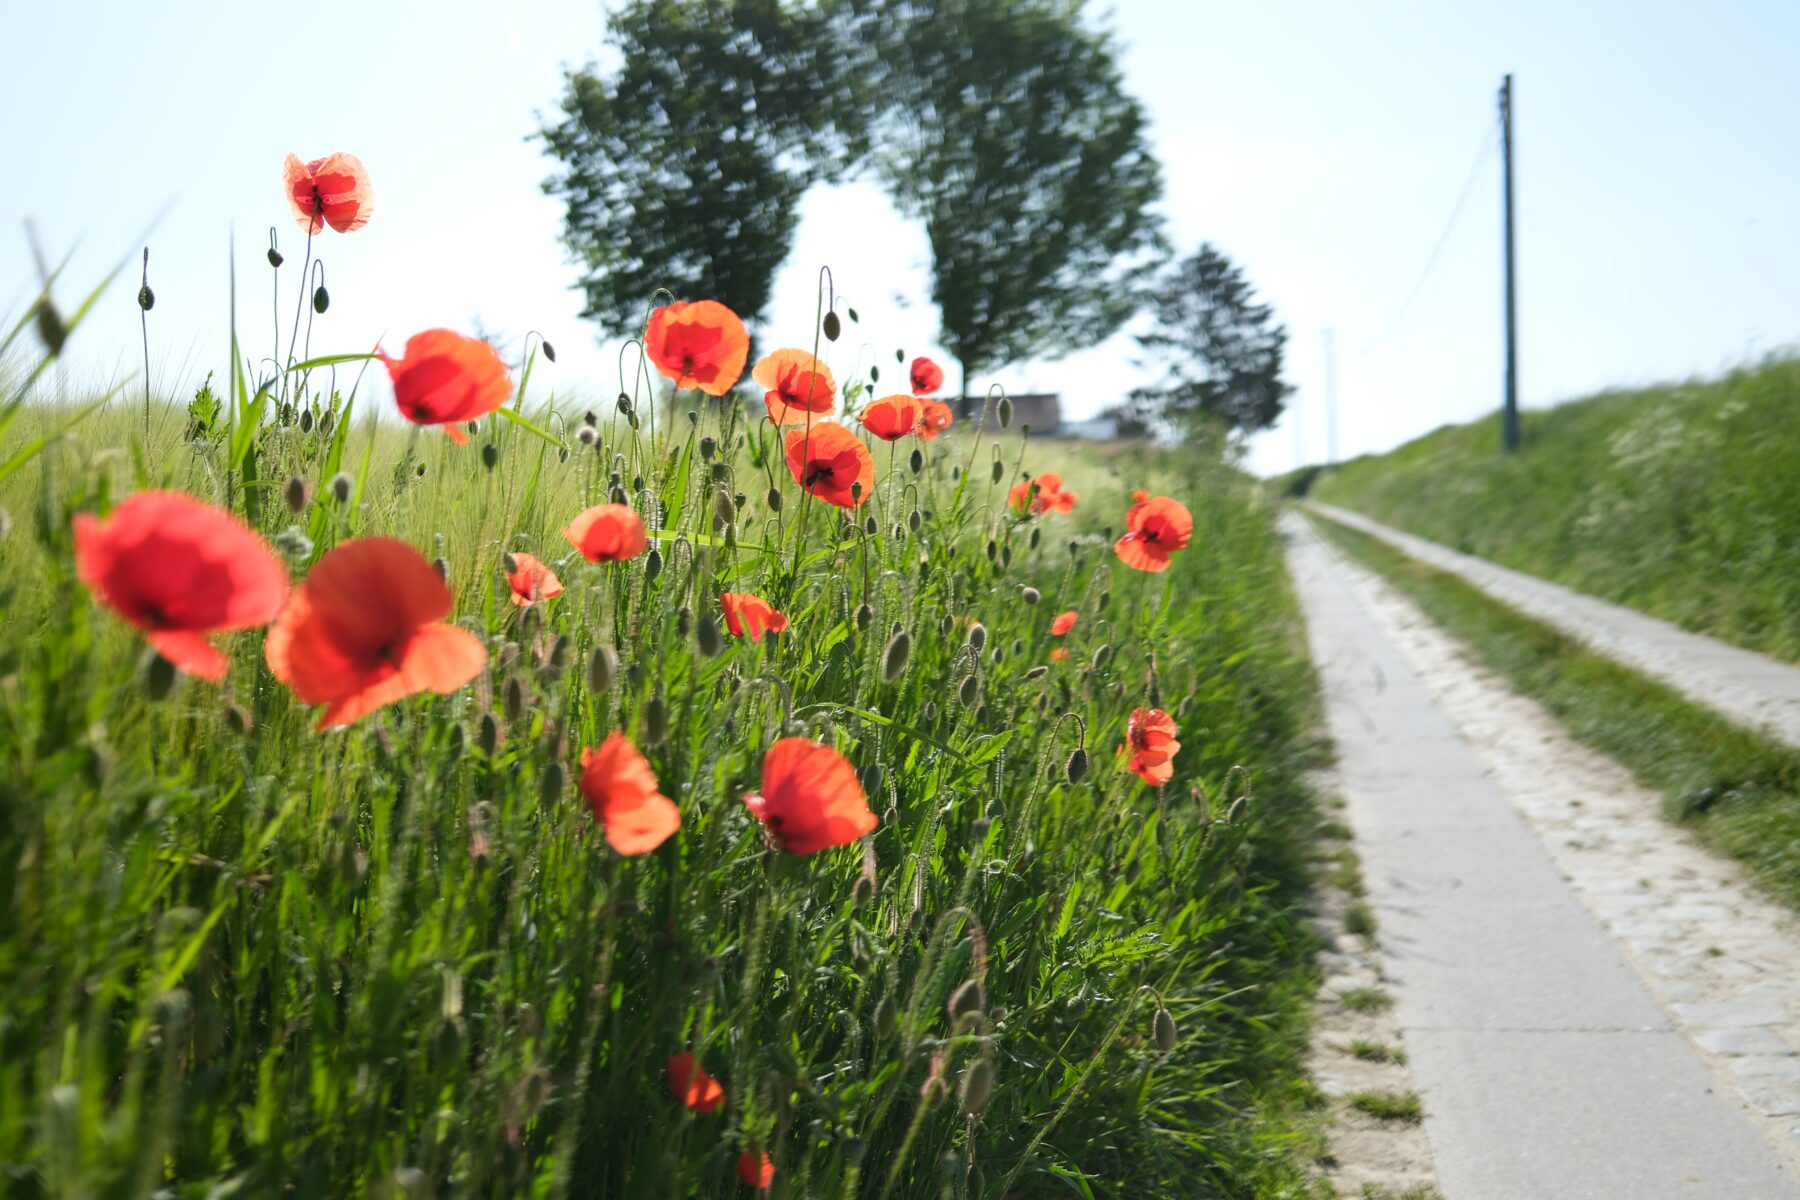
x=1681, y=500
x=1739, y=792
x=241, y=957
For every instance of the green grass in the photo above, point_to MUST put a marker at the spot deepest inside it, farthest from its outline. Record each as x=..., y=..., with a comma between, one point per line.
x=1681, y=500
x=1739, y=792
x=1359, y=919
x=1420, y=1191
x=239, y=957
x=1371, y=1051
x=1388, y=1106
x=1366, y=999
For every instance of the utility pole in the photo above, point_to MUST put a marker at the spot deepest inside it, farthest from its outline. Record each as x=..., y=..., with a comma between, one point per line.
x=1509, y=427
x=1331, y=441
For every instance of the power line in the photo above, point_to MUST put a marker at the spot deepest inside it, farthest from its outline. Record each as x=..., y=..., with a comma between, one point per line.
x=1468, y=189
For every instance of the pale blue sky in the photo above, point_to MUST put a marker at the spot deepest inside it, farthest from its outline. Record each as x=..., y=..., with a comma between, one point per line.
x=1321, y=144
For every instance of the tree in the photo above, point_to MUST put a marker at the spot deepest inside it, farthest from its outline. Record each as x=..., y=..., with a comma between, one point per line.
x=1010, y=134
x=1220, y=352
x=683, y=168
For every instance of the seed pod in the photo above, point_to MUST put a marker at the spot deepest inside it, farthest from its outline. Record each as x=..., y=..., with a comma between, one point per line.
x=1031, y=595
x=653, y=564
x=977, y=636
x=706, y=635
x=865, y=616
x=708, y=446
x=1102, y=655
x=1162, y=1028
x=977, y=1086
x=832, y=326
x=441, y=565
x=490, y=454
x=720, y=471
x=1078, y=765
x=969, y=690
x=146, y=298
x=1006, y=411
x=656, y=720
x=893, y=660
x=999, y=470
x=487, y=737
x=856, y=492
x=514, y=699
x=917, y=461
x=321, y=299
x=550, y=786
x=603, y=668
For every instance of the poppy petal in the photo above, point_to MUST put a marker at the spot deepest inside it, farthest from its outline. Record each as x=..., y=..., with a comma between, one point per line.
x=190, y=652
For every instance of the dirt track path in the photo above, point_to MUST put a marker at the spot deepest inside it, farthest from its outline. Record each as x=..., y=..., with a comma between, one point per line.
x=1748, y=688
x=1593, y=1006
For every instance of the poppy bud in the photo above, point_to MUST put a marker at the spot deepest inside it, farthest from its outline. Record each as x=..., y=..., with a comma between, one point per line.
x=236, y=719
x=510, y=562
x=893, y=660
x=515, y=699
x=706, y=634
x=653, y=564
x=50, y=326
x=966, y=999
x=723, y=507
x=1031, y=595
x=917, y=461
x=856, y=491
x=490, y=455
x=737, y=500
x=874, y=373
x=159, y=677
x=297, y=494
x=488, y=738
x=1162, y=1028
x=275, y=259
x=1037, y=672
x=656, y=720
x=327, y=420
x=1006, y=409
x=773, y=499
x=603, y=667
x=1035, y=531
x=913, y=520
x=146, y=298
x=623, y=404
x=968, y=690
x=549, y=351
x=1105, y=599
x=1076, y=770
x=1018, y=646
x=999, y=470
x=321, y=299
x=955, y=474
x=871, y=778
x=1102, y=655
x=707, y=446
x=977, y=636
x=634, y=674
x=550, y=786
x=853, y=315
x=1006, y=555
x=832, y=326
x=457, y=738
x=980, y=826
x=306, y=420
x=977, y=1086
x=559, y=653
x=887, y=1016
x=441, y=565
x=993, y=550
x=862, y=891
x=684, y=620
x=865, y=616
x=693, y=417
x=720, y=471
x=586, y=435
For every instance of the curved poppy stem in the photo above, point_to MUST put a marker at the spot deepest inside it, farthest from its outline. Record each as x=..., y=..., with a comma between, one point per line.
x=305, y=265
x=316, y=279
x=274, y=300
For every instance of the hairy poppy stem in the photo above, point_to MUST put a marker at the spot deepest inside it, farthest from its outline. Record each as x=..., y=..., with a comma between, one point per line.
x=305, y=265
x=144, y=329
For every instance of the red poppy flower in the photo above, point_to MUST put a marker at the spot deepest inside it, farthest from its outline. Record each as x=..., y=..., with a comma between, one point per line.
x=798, y=384
x=1159, y=527
x=1139, y=495
x=333, y=191
x=180, y=569
x=444, y=379
x=699, y=345
x=1150, y=735
x=692, y=1086
x=811, y=799
x=748, y=616
x=934, y=417
x=1059, y=655
x=365, y=629
x=531, y=580
x=1040, y=495
x=621, y=790
x=608, y=533
x=756, y=1169
x=927, y=376
x=1063, y=623
x=827, y=459
x=891, y=417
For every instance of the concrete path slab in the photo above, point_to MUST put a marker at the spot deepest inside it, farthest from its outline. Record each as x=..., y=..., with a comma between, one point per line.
x=1748, y=688
x=1546, y=1067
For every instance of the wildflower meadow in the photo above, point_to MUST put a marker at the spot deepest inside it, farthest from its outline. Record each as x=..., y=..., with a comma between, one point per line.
x=415, y=784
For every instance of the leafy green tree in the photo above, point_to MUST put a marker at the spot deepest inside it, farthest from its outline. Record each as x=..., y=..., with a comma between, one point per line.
x=683, y=167
x=1010, y=133
x=1220, y=352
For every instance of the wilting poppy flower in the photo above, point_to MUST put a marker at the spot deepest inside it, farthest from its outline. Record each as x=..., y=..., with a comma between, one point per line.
x=608, y=533
x=444, y=378
x=927, y=376
x=756, y=1169
x=891, y=417
x=1159, y=527
x=333, y=191
x=1063, y=623
x=934, y=417
x=180, y=569
x=692, y=1086
x=701, y=345
x=1150, y=738
x=1040, y=495
x=827, y=459
x=748, y=616
x=365, y=629
x=531, y=580
x=621, y=789
x=798, y=385
x=811, y=798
